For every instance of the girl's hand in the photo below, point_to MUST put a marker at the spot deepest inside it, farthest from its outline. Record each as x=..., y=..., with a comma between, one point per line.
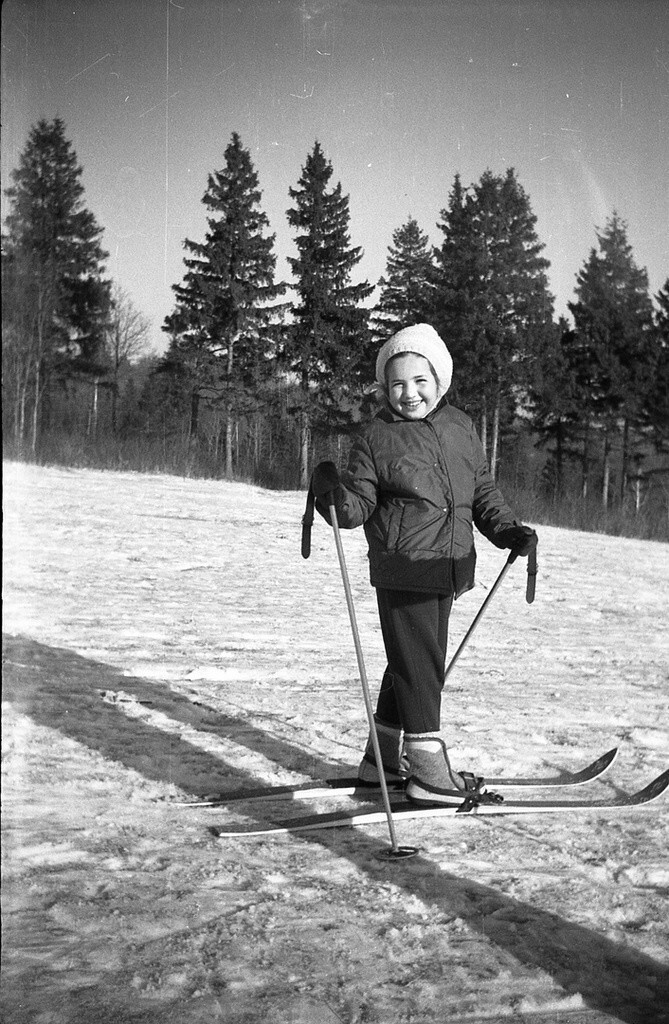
x=522, y=540
x=324, y=479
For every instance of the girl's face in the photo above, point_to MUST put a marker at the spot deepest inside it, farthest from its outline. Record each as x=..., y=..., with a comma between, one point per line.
x=412, y=388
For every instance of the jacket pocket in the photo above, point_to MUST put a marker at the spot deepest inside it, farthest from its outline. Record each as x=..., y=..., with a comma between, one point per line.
x=384, y=526
x=423, y=527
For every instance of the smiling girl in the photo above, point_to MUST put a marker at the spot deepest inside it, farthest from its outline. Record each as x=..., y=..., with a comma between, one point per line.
x=417, y=480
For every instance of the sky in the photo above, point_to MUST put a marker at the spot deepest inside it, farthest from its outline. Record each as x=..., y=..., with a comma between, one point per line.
x=401, y=96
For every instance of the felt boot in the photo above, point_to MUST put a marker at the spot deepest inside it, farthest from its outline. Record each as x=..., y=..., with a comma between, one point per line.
x=431, y=778
x=394, y=764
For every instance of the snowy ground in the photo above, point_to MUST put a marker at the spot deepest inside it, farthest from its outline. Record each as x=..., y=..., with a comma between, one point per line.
x=163, y=637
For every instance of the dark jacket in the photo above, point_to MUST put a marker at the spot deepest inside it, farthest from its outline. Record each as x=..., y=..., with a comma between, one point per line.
x=416, y=486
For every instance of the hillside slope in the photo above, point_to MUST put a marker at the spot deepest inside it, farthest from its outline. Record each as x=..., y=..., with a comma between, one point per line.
x=163, y=637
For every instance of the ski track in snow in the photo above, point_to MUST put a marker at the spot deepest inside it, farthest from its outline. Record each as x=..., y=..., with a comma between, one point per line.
x=163, y=637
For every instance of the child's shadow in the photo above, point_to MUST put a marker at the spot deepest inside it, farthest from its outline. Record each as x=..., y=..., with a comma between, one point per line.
x=135, y=722
x=85, y=700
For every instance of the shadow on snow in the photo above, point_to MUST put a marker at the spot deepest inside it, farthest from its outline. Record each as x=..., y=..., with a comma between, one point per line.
x=64, y=691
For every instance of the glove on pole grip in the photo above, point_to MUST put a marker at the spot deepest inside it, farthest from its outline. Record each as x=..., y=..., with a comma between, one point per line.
x=307, y=523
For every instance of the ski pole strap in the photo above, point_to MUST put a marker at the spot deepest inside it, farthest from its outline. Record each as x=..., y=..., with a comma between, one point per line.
x=307, y=523
x=531, y=575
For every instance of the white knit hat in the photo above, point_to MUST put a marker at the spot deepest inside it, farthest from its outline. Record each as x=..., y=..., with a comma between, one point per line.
x=424, y=341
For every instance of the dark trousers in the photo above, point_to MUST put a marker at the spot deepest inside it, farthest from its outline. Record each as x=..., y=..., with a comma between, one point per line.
x=415, y=635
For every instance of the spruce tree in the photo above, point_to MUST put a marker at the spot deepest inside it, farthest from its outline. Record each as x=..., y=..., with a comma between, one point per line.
x=55, y=295
x=492, y=303
x=221, y=330
x=454, y=315
x=406, y=289
x=325, y=346
x=613, y=318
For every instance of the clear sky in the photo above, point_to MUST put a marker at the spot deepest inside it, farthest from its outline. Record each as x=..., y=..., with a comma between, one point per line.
x=574, y=94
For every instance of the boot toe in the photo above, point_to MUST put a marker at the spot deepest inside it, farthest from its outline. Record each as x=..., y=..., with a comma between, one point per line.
x=368, y=773
x=420, y=792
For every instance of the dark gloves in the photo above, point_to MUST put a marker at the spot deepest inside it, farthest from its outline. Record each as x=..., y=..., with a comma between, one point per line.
x=521, y=539
x=324, y=479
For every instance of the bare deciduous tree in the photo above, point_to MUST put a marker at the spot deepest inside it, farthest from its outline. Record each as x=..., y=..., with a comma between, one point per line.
x=127, y=339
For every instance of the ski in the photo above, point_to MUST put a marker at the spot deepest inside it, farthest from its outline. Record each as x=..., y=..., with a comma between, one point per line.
x=351, y=786
x=471, y=808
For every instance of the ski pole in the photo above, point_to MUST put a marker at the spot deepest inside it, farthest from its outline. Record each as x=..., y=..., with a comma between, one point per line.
x=529, y=597
x=395, y=851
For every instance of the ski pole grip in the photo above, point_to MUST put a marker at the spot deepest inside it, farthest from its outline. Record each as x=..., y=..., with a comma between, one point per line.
x=531, y=575
x=307, y=523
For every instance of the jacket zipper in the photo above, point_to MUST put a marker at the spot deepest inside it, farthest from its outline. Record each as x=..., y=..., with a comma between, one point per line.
x=452, y=499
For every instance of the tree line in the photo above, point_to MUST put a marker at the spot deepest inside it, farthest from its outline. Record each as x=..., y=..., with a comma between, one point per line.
x=261, y=377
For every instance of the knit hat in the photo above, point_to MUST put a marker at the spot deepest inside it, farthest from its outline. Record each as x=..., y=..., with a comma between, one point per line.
x=423, y=340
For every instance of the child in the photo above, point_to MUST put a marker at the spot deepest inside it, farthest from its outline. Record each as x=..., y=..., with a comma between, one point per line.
x=416, y=480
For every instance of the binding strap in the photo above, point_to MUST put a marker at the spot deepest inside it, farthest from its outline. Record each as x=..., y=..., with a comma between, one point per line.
x=473, y=800
x=473, y=783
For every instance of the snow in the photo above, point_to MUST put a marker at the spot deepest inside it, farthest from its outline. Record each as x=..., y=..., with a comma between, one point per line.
x=163, y=638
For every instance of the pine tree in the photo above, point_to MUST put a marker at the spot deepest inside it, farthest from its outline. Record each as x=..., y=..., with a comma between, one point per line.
x=55, y=297
x=406, y=289
x=492, y=303
x=613, y=318
x=221, y=330
x=325, y=346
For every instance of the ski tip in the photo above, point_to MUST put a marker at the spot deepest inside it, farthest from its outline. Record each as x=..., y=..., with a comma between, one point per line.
x=591, y=771
x=606, y=760
x=653, y=789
